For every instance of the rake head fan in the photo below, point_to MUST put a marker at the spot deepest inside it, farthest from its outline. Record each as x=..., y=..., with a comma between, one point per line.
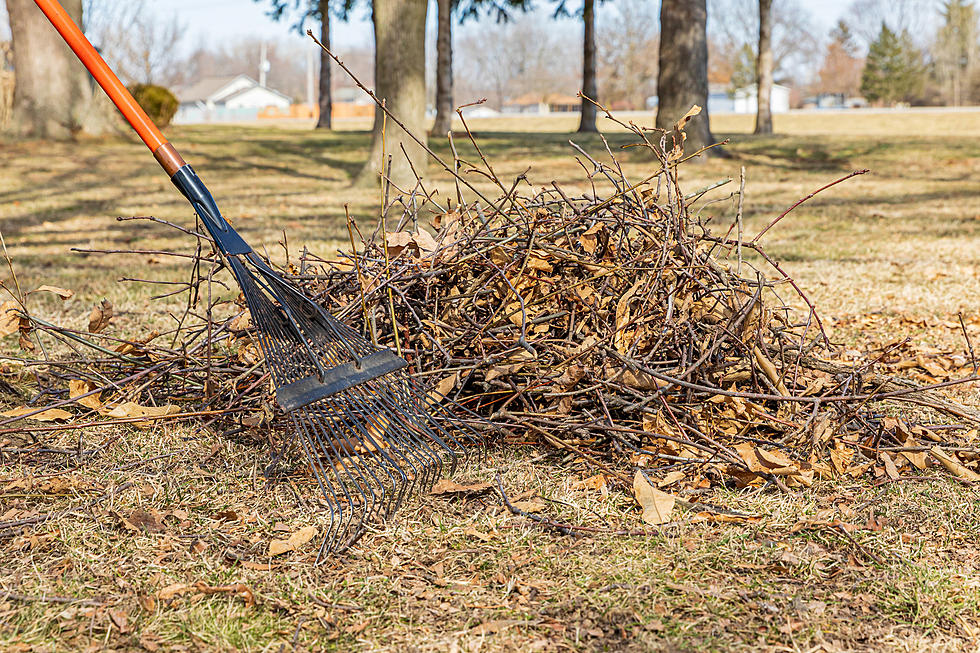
x=370, y=433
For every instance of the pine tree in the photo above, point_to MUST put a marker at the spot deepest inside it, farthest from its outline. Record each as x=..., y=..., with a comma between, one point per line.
x=894, y=70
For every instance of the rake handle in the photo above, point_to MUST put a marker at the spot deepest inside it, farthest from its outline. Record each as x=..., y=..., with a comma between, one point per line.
x=180, y=173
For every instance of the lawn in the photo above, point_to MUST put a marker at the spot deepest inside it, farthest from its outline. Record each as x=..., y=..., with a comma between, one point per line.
x=887, y=255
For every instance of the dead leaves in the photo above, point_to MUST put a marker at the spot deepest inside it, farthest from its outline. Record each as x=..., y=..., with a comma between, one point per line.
x=131, y=409
x=657, y=505
x=9, y=318
x=80, y=390
x=294, y=542
x=445, y=486
x=49, y=415
x=239, y=590
x=100, y=317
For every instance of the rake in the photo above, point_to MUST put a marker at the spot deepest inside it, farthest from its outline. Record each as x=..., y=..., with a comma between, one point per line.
x=369, y=431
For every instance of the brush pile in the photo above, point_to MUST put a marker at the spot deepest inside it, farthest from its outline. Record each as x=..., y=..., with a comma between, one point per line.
x=613, y=325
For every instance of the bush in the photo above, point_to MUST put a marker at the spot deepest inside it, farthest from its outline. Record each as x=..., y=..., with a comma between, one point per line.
x=158, y=102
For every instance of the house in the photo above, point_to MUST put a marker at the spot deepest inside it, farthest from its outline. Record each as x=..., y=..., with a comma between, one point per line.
x=226, y=99
x=533, y=103
x=721, y=99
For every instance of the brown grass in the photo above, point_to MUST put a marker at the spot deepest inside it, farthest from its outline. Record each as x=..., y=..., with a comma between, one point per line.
x=890, y=254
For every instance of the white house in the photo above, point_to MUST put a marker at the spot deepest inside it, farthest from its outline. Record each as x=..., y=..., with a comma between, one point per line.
x=226, y=99
x=722, y=100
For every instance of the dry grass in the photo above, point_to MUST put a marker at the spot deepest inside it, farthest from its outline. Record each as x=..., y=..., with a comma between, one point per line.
x=888, y=254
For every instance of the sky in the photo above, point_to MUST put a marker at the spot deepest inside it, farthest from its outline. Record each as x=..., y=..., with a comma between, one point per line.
x=223, y=20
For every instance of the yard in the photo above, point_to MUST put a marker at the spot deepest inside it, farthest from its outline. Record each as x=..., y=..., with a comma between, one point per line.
x=886, y=255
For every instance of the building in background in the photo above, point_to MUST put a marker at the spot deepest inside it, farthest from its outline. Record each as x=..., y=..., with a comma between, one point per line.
x=227, y=99
x=532, y=103
x=721, y=99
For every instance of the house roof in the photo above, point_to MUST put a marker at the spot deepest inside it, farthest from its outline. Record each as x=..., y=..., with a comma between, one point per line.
x=242, y=91
x=214, y=89
x=205, y=88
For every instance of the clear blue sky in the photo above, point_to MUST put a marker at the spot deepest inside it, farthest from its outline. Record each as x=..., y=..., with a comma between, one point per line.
x=222, y=20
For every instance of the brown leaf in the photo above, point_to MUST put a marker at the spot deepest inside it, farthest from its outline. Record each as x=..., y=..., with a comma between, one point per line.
x=242, y=322
x=953, y=466
x=48, y=415
x=78, y=387
x=657, y=505
x=148, y=521
x=890, y=469
x=9, y=318
x=120, y=619
x=293, y=542
x=60, y=292
x=133, y=409
x=100, y=317
x=447, y=486
x=529, y=506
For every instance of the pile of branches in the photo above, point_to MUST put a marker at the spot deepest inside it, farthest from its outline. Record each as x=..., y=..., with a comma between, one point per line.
x=612, y=324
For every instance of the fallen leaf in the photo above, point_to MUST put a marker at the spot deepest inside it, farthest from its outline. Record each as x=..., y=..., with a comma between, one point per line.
x=671, y=478
x=133, y=409
x=447, y=486
x=60, y=292
x=954, y=466
x=100, y=317
x=48, y=415
x=149, y=521
x=890, y=469
x=657, y=505
x=293, y=542
x=78, y=387
x=9, y=318
x=120, y=619
x=529, y=506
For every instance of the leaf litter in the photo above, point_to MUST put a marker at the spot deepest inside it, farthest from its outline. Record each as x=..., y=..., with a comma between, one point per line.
x=619, y=327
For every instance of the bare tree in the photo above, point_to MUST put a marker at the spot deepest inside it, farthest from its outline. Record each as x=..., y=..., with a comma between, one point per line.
x=865, y=17
x=139, y=45
x=318, y=11
x=589, y=88
x=506, y=61
x=627, y=54
x=734, y=25
x=683, y=79
x=764, y=68
x=399, y=74
x=444, y=69
x=53, y=94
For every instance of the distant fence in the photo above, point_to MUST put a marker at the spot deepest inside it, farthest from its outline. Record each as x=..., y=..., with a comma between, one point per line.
x=6, y=98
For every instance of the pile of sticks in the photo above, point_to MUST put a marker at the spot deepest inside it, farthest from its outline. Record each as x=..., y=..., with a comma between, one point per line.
x=613, y=325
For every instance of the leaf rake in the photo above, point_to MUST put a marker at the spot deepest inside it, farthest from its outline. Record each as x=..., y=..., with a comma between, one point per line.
x=370, y=432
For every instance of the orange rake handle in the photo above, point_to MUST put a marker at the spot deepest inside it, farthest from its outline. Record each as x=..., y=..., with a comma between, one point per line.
x=120, y=96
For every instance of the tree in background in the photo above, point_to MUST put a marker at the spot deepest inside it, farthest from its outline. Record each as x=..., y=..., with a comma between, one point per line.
x=956, y=49
x=589, y=86
x=464, y=9
x=735, y=37
x=53, y=94
x=399, y=77
x=319, y=12
x=764, y=68
x=894, y=70
x=864, y=18
x=683, y=78
x=627, y=45
x=524, y=59
x=138, y=44
x=841, y=69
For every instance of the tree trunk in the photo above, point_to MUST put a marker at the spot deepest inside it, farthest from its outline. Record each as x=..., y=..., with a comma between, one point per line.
x=764, y=66
x=589, y=89
x=399, y=77
x=683, y=78
x=444, y=70
x=54, y=96
x=325, y=121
